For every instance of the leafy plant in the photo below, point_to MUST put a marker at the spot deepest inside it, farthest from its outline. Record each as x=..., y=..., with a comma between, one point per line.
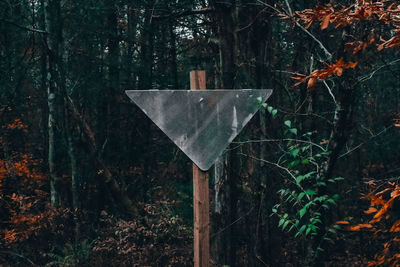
x=304, y=197
x=71, y=254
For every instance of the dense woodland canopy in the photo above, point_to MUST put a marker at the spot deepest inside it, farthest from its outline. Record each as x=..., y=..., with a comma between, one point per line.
x=87, y=180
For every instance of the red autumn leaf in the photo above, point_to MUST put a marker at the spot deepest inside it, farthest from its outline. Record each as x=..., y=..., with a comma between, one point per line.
x=311, y=83
x=342, y=222
x=395, y=226
x=325, y=21
x=338, y=71
x=370, y=210
x=378, y=216
x=360, y=226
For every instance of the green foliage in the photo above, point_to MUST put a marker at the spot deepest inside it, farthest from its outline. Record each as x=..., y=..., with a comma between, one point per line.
x=304, y=197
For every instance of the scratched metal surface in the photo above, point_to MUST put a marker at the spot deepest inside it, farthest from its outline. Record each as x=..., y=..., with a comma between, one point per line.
x=202, y=123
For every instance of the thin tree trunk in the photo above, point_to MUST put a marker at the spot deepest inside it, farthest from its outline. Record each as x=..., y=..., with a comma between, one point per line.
x=224, y=247
x=51, y=13
x=174, y=66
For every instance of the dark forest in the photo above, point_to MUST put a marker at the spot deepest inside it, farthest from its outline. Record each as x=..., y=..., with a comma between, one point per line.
x=87, y=179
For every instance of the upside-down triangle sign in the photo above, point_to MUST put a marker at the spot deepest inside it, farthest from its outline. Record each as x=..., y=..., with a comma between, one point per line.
x=202, y=123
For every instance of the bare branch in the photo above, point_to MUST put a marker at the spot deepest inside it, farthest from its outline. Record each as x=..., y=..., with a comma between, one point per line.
x=328, y=55
x=22, y=27
x=330, y=91
x=363, y=143
x=280, y=140
x=370, y=75
x=278, y=166
x=184, y=13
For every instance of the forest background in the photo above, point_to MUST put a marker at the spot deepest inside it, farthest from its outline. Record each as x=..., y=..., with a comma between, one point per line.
x=87, y=180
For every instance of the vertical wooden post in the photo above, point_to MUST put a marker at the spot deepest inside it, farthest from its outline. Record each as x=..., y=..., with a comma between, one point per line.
x=200, y=195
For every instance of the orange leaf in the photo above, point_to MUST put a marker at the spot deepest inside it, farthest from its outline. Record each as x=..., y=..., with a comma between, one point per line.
x=383, y=210
x=370, y=210
x=359, y=226
x=371, y=40
x=395, y=226
x=342, y=222
x=395, y=193
x=339, y=71
x=325, y=21
x=311, y=83
x=351, y=65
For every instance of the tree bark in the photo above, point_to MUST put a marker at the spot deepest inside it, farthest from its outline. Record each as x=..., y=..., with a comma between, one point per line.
x=51, y=10
x=223, y=243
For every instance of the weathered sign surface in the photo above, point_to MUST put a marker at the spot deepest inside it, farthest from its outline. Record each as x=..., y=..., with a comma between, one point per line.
x=202, y=123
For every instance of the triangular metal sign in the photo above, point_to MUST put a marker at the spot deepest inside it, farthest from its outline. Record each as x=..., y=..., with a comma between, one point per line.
x=202, y=123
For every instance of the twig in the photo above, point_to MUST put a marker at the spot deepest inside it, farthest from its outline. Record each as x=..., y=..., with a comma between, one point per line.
x=278, y=166
x=289, y=8
x=235, y=221
x=267, y=5
x=19, y=255
x=22, y=27
x=252, y=22
x=271, y=163
x=363, y=143
x=279, y=140
x=370, y=75
x=184, y=13
x=330, y=91
x=328, y=55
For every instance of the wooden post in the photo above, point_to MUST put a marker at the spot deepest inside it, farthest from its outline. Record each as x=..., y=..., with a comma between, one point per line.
x=200, y=195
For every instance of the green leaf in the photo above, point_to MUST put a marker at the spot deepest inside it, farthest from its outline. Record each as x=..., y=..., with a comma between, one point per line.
x=294, y=163
x=305, y=161
x=308, y=230
x=273, y=112
x=293, y=131
x=264, y=105
x=301, y=195
x=294, y=152
x=285, y=224
x=310, y=192
x=288, y=123
x=299, y=179
x=315, y=221
x=332, y=230
x=302, y=229
x=331, y=201
x=302, y=212
x=259, y=99
x=270, y=109
x=281, y=221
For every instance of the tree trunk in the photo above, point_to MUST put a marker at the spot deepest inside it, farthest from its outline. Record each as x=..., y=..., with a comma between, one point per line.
x=51, y=10
x=223, y=243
